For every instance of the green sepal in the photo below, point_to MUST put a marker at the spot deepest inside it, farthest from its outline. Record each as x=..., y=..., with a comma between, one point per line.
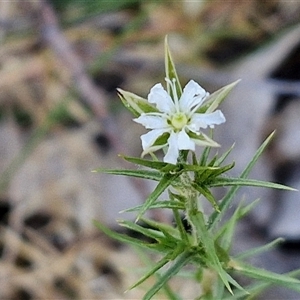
x=171, y=71
x=203, y=140
x=136, y=104
x=216, y=98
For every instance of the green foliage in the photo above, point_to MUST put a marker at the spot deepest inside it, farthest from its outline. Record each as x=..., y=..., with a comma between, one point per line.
x=92, y=7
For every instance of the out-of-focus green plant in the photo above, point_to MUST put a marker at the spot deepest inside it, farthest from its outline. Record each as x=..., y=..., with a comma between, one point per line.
x=177, y=119
x=84, y=9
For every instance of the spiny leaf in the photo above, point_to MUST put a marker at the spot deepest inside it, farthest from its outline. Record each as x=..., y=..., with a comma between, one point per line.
x=261, y=249
x=220, y=170
x=206, y=239
x=221, y=159
x=121, y=237
x=215, y=216
x=256, y=288
x=156, y=267
x=145, y=174
x=229, y=181
x=151, y=233
x=279, y=279
x=157, y=205
x=178, y=264
x=226, y=233
x=167, y=230
x=204, y=156
x=227, y=230
x=207, y=194
x=196, y=168
x=166, y=181
x=157, y=165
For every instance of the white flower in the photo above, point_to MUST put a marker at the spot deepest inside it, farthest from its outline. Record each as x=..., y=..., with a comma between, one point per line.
x=177, y=124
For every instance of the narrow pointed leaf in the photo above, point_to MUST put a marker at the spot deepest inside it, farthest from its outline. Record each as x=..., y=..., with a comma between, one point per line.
x=261, y=249
x=166, y=229
x=151, y=233
x=197, y=168
x=239, y=213
x=227, y=231
x=121, y=237
x=210, y=250
x=208, y=195
x=158, y=205
x=157, y=266
x=249, y=182
x=157, y=165
x=180, y=227
x=164, y=183
x=256, y=288
x=220, y=170
x=222, y=158
x=278, y=279
x=178, y=264
x=171, y=295
x=145, y=174
x=204, y=156
x=215, y=216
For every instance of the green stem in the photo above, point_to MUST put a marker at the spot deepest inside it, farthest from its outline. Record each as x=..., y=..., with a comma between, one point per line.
x=191, y=205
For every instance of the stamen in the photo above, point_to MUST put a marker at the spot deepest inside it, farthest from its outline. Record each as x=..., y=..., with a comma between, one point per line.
x=172, y=85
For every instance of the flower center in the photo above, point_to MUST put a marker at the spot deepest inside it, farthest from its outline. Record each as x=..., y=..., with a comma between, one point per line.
x=179, y=120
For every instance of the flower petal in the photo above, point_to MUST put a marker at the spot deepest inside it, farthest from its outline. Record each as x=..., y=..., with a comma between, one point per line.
x=162, y=99
x=149, y=138
x=185, y=142
x=173, y=151
x=193, y=95
x=152, y=121
x=203, y=120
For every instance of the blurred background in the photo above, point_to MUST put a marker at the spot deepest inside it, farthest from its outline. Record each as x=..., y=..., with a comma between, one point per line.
x=60, y=64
